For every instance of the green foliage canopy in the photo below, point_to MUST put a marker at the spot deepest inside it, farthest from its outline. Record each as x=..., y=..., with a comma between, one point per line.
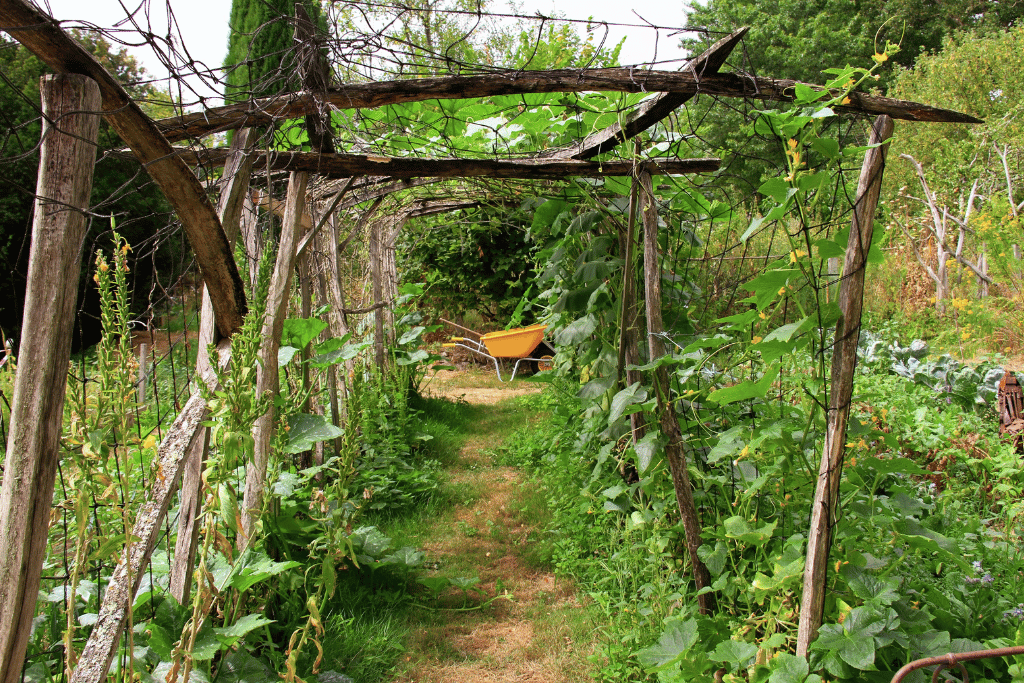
x=120, y=186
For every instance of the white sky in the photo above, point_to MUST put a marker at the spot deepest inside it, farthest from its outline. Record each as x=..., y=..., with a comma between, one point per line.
x=202, y=25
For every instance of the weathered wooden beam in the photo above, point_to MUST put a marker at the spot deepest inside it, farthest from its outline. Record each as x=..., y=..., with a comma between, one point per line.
x=66, y=160
x=668, y=422
x=432, y=207
x=349, y=165
x=268, y=378
x=42, y=36
x=360, y=193
x=237, y=173
x=824, y=510
x=654, y=109
x=263, y=112
x=124, y=583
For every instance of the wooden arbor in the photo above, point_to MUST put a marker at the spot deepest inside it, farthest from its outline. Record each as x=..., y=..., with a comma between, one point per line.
x=208, y=234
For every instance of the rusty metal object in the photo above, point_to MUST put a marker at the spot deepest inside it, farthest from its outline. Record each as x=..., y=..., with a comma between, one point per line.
x=1011, y=410
x=956, y=659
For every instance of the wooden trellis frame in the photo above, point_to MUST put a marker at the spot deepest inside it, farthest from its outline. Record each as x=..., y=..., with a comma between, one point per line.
x=150, y=142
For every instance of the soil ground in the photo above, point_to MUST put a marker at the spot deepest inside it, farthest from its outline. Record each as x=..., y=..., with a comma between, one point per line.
x=527, y=625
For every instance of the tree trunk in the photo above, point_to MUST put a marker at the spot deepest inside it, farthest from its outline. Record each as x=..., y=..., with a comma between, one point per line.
x=674, y=452
x=844, y=361
x=67, y=157
x=267, y=378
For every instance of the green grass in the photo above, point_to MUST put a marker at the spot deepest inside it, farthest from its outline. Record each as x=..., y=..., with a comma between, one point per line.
x=364, y=649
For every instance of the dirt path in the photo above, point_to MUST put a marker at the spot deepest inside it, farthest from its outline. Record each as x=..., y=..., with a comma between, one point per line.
x=532, y=635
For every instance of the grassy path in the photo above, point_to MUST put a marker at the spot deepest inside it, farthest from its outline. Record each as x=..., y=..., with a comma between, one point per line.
x=540, y=631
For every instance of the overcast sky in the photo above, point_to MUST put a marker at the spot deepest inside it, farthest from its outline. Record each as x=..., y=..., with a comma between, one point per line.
x=202, y=24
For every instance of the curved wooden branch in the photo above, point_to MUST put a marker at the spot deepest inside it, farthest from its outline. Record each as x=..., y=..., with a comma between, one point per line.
x=42, y=36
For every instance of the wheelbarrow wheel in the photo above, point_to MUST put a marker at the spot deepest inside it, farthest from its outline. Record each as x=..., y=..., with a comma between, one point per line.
x=544, y=363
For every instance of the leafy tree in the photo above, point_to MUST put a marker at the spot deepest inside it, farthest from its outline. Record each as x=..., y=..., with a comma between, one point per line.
x=981, y=74
x=560, y=48
x=797, y=39
x=478, y=261
x=121, y=187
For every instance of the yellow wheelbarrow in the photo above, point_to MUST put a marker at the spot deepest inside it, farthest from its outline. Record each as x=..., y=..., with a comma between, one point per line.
x=522, y=343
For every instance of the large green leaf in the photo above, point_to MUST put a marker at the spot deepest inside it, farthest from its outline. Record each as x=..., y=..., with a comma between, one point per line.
x=304, y=430
x=747, y=389
x=230, y=634
x=678, y=638
x=851, y=643
x=547, y=212
x=787, y=668
x=250, y=568
x=334, y=351
x=576, y=331
x=736, y=652
x=737, y=528
x=241, y=667
x=300, y=331
x=634, y=393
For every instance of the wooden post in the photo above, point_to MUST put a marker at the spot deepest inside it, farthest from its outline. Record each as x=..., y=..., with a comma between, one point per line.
x=237, y=173
x=669, y=423
x=339, y=328
x=629, y=331
x=140, y=386
x=63, y=186
x=844, y=362
x=251, y=238
x=377, y=287
x=273, y=325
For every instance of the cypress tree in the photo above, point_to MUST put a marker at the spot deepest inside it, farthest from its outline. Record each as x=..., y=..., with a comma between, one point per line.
x=261, y=56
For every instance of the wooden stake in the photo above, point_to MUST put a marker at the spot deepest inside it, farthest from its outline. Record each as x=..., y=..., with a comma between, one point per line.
x=268, y=379
x=237, y=172
x=67, y=157
x=629, y=331
x=669, y=423
x=844, y=361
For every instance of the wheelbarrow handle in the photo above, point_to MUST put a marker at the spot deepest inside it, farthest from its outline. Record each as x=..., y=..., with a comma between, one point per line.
x=464, y=329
